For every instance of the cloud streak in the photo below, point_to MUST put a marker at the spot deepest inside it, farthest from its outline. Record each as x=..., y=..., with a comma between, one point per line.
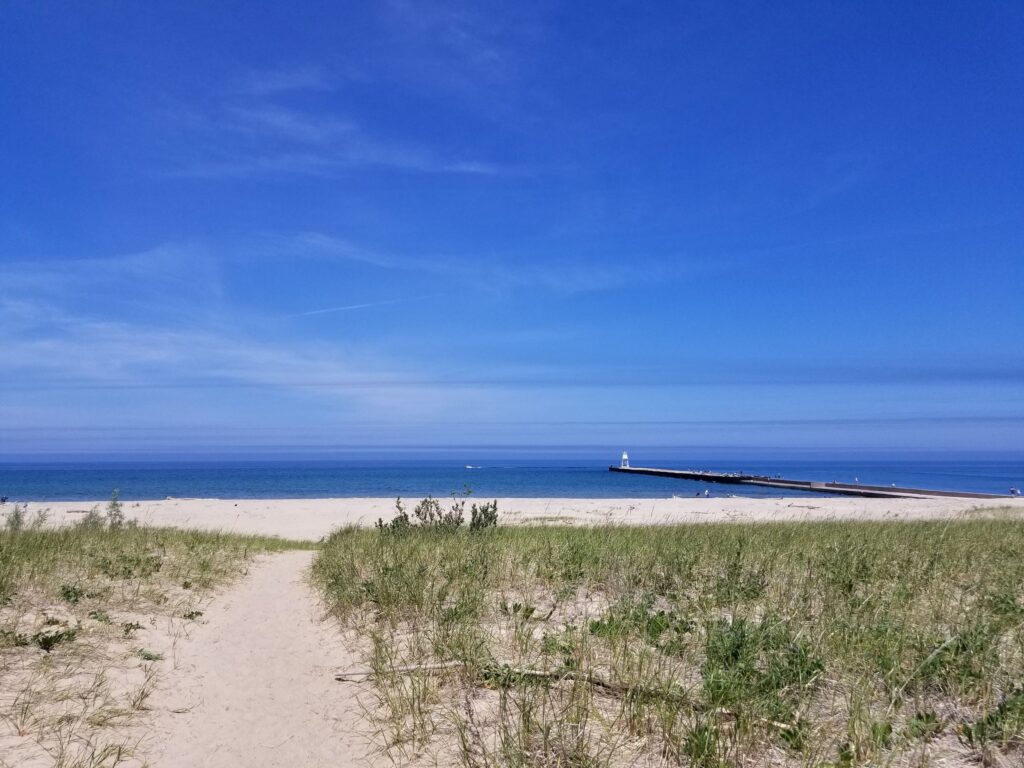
x=367, y=305
x=272, y=82
x=497, y=274
x=257, y=135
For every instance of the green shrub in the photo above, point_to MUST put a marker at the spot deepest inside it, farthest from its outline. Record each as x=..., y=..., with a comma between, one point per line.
x=429, y=514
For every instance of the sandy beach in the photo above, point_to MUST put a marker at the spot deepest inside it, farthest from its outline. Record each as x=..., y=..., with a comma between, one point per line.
x=315, y=518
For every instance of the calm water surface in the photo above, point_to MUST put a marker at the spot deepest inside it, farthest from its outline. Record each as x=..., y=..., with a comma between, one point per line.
x=271, y=480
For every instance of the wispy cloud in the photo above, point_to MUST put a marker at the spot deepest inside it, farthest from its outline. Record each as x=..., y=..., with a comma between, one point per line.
x=501, y=273
x=257, y=135
x=478, y=52
x=78, y=326
x=366, y=305
x=468, y=34
x=158, y=282
x=268, y=121
x=270, y=82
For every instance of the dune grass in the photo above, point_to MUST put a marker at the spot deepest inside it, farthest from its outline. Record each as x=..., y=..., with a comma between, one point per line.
x=805, y=644
x=87, y=613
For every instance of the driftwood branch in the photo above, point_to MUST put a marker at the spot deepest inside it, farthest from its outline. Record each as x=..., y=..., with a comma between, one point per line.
x=362, y=675
x=616, y=689
x=496, y=670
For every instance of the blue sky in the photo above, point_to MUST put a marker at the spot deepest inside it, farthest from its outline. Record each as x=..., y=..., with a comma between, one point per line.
x=277, y=228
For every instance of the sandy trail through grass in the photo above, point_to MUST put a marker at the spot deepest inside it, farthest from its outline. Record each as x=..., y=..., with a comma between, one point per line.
x=254, y=685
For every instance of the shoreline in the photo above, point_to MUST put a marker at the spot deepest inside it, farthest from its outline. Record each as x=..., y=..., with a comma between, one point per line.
x=316, y=518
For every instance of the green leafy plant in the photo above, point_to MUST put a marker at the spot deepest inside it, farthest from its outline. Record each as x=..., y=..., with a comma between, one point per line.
x=49, y=638
x=71, y=593
x=923, y=725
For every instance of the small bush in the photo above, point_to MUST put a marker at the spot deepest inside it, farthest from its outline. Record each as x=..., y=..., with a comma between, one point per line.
x=399, y=522
x=429, y=514
x=484, y=516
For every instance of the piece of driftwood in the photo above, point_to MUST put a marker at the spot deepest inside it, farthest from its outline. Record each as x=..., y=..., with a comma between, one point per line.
x=617, y=689
x=495, y=670
x=361, y=675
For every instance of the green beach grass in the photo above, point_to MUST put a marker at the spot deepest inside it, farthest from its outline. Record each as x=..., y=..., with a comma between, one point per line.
x=806, y=644
x=86, y=613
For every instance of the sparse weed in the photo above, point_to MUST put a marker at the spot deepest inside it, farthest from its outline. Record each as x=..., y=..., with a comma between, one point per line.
x=137, y=698
x=15, y=519
x=115, y=511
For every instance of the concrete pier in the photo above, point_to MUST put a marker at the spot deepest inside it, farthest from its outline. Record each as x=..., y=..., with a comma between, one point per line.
x=812, y=486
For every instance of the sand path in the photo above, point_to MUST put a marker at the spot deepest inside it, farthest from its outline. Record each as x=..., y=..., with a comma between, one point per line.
x=253, y=685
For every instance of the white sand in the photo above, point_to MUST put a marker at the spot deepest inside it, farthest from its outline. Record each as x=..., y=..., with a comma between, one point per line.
x=314, y=518
x=254, y=686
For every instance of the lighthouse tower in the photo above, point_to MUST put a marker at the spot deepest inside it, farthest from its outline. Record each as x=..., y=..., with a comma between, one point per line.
x=625, y=461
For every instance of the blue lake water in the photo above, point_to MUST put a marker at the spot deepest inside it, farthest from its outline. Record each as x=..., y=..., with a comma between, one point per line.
x=492, y=478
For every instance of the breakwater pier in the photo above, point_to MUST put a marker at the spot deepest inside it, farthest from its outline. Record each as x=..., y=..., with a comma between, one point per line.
x=810, y=486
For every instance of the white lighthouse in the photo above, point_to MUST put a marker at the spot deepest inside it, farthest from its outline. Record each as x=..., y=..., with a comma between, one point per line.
x=625, y=461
